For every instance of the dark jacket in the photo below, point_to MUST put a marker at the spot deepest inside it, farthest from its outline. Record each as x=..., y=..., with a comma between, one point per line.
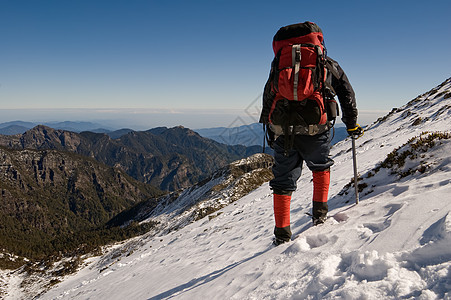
x=339, y=82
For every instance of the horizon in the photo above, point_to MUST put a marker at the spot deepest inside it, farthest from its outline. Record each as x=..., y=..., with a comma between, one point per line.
x=203, y=64
x=143, y=119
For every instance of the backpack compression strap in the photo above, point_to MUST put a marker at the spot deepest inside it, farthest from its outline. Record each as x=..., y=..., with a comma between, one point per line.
x=296, y=63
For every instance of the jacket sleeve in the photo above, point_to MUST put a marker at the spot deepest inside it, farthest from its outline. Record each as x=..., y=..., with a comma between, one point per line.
x=268, y=97
x=346, y=95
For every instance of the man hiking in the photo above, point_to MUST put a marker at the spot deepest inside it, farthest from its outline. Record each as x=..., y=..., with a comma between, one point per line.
x=298, y=112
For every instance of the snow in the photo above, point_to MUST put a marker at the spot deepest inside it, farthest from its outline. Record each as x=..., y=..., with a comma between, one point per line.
x=395, y=244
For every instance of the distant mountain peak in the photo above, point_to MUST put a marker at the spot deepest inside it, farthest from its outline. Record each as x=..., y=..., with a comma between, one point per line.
x=41, y=127
x=182, y=129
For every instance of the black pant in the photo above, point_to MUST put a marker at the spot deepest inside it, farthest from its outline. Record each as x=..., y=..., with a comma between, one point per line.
x=287, y=169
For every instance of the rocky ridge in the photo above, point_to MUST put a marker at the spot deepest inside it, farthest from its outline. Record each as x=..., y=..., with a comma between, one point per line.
x=222, y=188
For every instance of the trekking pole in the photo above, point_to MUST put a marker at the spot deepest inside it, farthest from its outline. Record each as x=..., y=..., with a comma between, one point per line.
x=354, y=160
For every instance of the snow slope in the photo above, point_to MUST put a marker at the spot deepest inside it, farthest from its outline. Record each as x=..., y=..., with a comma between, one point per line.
x=395, y=244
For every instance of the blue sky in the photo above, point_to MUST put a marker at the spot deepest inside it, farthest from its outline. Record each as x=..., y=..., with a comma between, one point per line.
x=203, y=63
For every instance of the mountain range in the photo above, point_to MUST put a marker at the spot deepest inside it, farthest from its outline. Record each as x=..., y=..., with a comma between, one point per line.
x=64, y=192
x=246, y=135
x=19, y=127
x=168, y=158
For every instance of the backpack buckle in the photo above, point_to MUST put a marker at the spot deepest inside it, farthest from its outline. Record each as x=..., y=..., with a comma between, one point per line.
x=313, y=129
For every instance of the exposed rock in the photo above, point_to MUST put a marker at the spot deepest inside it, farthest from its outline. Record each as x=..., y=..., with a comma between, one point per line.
x=47, y=194
x=225, y=186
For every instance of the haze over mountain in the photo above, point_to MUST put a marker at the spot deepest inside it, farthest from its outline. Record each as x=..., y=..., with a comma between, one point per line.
x=253, y=134
x=19, y=127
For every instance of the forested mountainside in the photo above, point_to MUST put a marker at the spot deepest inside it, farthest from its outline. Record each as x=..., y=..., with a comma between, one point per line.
x=54, y=201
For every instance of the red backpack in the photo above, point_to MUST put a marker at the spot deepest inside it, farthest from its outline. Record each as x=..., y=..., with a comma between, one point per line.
x=298, y=79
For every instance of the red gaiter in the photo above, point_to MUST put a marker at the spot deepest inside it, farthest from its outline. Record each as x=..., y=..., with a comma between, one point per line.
x=321, y=182
x=282, y=210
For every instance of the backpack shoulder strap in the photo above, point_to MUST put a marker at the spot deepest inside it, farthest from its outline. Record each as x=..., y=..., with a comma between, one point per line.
x=331, y=68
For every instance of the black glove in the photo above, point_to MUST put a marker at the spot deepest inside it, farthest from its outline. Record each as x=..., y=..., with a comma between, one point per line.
x=355, y=132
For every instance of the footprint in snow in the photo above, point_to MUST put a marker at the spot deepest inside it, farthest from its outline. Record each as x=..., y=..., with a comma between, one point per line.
x=436, y=245
x=393, y=208
x=440, y=230
x=385, y=222
x=307, y=243
x=399, y=190
x=340, y=217
x=378, y=227
x=368, y=266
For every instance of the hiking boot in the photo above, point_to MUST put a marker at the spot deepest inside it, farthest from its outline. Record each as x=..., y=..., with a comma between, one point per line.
x=282, y=235
x=319, y=212
x=276, y=241
x=319, y=220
